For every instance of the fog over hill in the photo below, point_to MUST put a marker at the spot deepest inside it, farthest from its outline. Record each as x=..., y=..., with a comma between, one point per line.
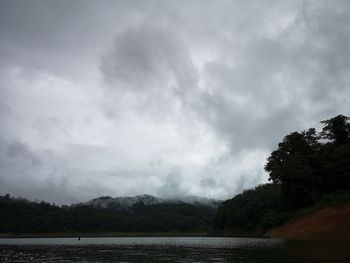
x=129, y=201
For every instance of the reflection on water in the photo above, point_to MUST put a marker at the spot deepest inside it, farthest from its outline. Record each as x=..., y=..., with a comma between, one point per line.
x=170, y=250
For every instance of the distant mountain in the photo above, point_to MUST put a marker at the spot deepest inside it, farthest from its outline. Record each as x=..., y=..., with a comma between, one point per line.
x=129, y=201
x=196, y=200
x=123, y=202
x=144, y=213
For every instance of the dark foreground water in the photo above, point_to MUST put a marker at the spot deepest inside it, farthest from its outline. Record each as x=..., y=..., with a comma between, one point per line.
x=174, y=249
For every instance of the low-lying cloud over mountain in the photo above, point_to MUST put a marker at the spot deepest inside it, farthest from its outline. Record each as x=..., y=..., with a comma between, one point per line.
x=128, y=201
x=169, y=98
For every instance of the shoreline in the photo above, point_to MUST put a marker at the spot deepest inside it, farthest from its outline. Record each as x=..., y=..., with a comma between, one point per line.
x=97, y=235
x=169, y=235
x=130, y=234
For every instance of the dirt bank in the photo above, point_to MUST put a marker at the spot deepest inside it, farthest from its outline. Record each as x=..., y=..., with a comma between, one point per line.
x=326, y=223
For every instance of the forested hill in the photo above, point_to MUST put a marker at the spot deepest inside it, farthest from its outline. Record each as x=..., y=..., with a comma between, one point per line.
x=308, y=168
x=19, y=216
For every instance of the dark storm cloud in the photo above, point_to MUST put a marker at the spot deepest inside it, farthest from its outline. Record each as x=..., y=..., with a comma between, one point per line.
x=93, y=92
x=281, y=81
x=281, y=78
x=151, y=64
x=60, y=37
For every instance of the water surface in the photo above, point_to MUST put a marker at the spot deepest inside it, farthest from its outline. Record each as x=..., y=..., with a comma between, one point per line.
x=170, y=249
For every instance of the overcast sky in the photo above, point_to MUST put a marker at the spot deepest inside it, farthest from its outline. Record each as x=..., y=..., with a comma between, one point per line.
x=161, y=97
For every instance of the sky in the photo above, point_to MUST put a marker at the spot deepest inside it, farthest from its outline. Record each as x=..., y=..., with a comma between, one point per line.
x=168, y=98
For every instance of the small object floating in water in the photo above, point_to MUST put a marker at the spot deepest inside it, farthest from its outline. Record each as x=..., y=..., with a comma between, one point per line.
x=78, y=238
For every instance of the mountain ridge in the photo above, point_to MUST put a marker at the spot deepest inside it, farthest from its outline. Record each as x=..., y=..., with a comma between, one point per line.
x=147, y=199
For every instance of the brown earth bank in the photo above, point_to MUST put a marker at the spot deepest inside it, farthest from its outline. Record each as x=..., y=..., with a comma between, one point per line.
x=329, y=223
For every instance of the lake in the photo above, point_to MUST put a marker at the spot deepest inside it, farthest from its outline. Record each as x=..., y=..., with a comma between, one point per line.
x=171, y=249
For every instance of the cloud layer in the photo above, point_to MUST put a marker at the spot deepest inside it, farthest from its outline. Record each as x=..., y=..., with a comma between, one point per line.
x=161, y=97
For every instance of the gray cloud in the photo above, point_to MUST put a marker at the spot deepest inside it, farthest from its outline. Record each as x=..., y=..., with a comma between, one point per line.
x=208, y=182
x=152, y=66
x=107, y=97
x=172, y=186
x=21, y=152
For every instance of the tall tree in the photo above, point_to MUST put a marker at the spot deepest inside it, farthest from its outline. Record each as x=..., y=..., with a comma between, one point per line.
x=292, y=165
x=337, y=129
x=336, y=153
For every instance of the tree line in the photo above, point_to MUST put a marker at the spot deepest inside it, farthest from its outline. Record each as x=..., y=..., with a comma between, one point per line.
x=20, y=216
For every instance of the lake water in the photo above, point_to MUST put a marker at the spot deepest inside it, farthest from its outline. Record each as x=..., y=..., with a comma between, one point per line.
x=171, y=249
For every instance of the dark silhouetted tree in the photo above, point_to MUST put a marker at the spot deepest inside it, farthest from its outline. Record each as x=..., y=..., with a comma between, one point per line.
x=335, y=153
x=337, y=130
x=293, y=165
x=306, y=166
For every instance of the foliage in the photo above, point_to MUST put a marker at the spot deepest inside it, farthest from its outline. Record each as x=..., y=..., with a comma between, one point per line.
x=304, y=168
x=258, y=209
x=22, y=216
x=295, y=166
x=307, y=165
x=337, y=129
